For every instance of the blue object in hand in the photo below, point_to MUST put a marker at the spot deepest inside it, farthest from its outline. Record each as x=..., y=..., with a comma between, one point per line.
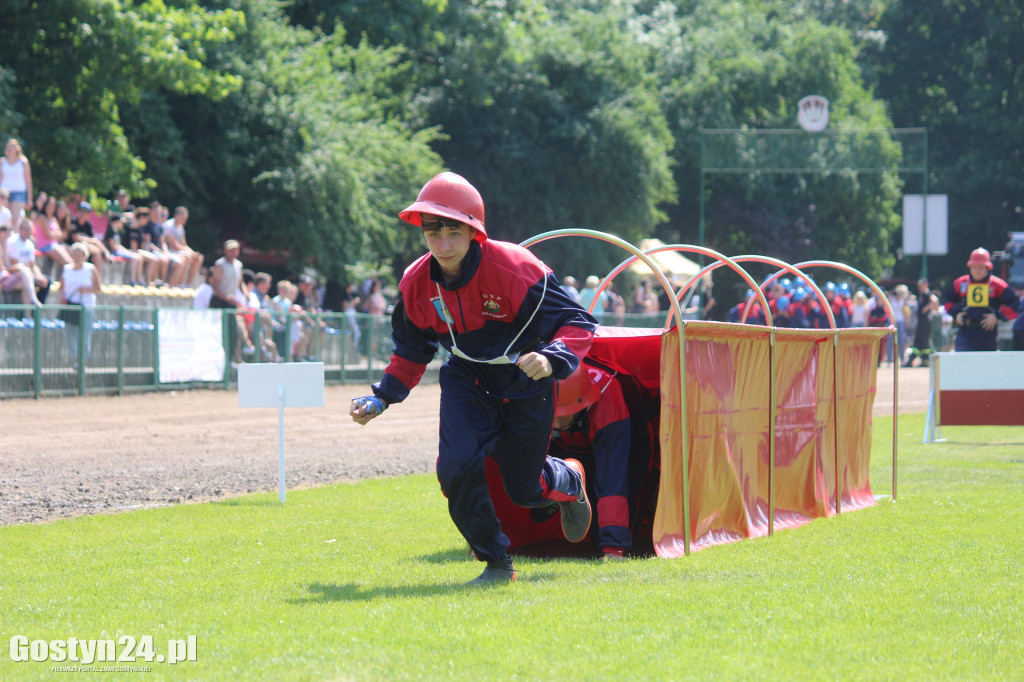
x=373, y=404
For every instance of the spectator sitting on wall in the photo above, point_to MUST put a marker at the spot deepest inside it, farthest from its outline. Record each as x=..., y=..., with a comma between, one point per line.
x=188, y=261
x=5, y=212
x=148, y=262
x=112, y=240
x=123, y=200
x=159, y=262
x=81, y=232
x=48, y=234
x=14, y=275
x=158, y=215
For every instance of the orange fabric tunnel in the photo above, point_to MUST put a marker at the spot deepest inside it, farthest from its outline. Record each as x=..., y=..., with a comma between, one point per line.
x=724, y=427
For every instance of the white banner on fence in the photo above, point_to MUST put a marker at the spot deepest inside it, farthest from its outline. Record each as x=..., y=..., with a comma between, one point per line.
x=191, y=345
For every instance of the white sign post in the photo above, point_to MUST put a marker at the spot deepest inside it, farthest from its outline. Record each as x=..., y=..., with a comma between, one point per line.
x=281, y=385
x=925, y=225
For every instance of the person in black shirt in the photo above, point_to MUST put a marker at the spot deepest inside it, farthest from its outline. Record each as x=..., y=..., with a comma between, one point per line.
x=81, y=232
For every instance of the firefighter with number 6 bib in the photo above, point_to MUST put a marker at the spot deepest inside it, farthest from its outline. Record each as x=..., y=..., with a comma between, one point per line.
x=977, y=302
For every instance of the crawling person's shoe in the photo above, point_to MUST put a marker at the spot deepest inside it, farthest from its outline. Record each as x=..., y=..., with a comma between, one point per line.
x=576, y=514
x=496, y=572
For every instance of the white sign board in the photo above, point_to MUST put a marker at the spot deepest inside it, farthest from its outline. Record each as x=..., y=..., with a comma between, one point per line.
x=190, y=344
x=914, y=224
x=303, y=384
x=281, y=385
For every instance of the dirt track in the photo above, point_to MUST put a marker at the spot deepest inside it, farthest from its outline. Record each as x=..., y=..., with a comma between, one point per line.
x=70, y=456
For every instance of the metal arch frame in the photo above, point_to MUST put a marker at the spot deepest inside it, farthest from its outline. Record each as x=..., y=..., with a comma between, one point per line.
x=842, y=267
x=676, y=311
x=720, y=258
x=612, y=239
x=794, y=270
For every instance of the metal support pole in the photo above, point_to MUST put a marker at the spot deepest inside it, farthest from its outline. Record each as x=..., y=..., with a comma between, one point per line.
x=924, y=219
x=120, y=350
x=37, y=353
x=772, y=405
x=835, y=418
x=156, y=347
x=686, y=437
x=895, y=405
x=700, y=234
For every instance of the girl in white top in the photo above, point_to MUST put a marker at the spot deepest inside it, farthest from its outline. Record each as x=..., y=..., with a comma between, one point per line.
x=79, y=284
x=16, y=177
x=859, y=316
x=80, y=281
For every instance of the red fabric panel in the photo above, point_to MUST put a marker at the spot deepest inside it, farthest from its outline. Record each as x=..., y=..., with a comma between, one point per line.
x=613, y=511
x=516, y=523
x=981, y=408
x=631, y=350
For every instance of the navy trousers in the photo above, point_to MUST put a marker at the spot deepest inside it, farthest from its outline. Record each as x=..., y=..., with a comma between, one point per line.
x=515, y=433
x=974, y=338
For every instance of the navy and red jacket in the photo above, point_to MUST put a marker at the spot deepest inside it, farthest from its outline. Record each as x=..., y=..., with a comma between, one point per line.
x=755, y=316
x=500, y=287
x=816, y=316
x=1002, y=300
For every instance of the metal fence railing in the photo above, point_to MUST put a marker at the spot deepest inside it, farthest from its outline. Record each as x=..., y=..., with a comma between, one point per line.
x=61, y=350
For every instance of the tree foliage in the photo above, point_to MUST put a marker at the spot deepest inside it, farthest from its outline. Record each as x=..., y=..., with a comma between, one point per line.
x=307, y=125
x=957, y=69
x=78, y=63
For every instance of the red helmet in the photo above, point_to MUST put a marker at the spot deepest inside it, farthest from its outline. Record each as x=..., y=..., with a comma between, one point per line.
x=449, y=195
x=980, y=257
x=580, y=390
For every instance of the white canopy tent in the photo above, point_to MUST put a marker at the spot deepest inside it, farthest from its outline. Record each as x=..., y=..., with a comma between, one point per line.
x=670, y=262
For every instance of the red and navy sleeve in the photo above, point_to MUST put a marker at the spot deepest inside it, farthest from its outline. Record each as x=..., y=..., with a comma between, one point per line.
x=414, y=348
x=566, y=329
x=951, y=299
x=1007, y=300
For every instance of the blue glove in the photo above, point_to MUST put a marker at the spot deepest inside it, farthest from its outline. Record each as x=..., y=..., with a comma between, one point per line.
x=372, y=403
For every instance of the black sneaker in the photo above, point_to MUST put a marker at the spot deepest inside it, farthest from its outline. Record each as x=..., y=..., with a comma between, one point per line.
x=497, y=572
x=576, y=515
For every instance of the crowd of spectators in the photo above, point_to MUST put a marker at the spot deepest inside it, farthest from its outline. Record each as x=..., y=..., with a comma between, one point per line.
x=147, y=239
x=921, y=323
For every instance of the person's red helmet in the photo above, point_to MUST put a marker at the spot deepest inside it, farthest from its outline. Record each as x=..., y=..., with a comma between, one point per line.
x=980, y=257
x=449, y=195
x=580, y=390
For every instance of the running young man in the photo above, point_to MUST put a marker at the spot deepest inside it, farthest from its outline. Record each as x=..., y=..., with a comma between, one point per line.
x=512, y=331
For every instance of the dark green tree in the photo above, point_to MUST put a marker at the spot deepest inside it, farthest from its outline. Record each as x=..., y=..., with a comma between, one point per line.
x=553, y=115
x=78, y=63
x=744, y=65
x=957, y=69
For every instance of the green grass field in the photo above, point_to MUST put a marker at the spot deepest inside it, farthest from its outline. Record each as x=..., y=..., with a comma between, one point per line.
x=362, y=581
